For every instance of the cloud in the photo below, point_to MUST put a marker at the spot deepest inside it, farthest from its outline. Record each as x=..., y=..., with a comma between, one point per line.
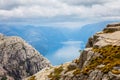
x=7, y=4
x=44, y=11
x=68, y=52
x=85, y=2
x=72, y=42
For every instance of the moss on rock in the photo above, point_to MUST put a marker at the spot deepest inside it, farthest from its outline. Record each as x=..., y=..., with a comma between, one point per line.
x=109, y=56
x=77, y=71
x=56, y=74
x=32, y=78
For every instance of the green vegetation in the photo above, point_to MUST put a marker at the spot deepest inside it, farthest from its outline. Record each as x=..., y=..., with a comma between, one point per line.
x=4, y=78
x=56, y=74
x=109, y=56
x=32, y=78
x=77, y=71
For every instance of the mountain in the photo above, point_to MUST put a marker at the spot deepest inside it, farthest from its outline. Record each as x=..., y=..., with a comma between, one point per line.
x=48, y=40
x=18, y=59
x=100, y=60
x=42, y=38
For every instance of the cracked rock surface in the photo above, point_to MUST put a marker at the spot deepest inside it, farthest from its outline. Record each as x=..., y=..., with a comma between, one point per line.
x=18, y=59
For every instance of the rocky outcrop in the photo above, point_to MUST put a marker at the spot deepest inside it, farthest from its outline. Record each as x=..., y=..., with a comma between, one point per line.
x=18, y=59
x=100, y=60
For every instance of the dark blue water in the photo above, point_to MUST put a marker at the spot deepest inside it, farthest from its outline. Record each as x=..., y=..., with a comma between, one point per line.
x=59, y=45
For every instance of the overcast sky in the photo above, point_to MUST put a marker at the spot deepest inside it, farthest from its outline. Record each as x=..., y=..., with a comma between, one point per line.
x=58, y=12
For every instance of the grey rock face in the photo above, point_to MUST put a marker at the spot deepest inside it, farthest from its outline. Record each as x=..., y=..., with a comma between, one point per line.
x=18, y=59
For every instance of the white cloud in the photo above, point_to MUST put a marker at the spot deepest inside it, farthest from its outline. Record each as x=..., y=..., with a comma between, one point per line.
x=7, y=4
x=80, y=10
x=68, y=52
x=72, y=42
x=85, y=2
x=65, y=54
x=40, y=9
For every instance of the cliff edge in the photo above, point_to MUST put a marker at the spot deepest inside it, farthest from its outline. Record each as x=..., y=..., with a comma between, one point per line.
x=18, y=59
x=100, y=60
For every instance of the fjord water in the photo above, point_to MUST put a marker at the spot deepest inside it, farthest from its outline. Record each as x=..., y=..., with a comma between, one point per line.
x=58, y=44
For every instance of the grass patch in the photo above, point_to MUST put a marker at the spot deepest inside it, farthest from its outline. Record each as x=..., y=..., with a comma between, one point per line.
x=32, y=78
x=77, y=71
x=109, y=56
x=56, y=74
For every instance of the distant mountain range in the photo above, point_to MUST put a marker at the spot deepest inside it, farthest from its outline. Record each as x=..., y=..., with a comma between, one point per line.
x=48, y=39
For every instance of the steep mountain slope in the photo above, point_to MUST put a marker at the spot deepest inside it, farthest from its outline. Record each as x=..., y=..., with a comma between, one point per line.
x=100, y=60
x=18, y=59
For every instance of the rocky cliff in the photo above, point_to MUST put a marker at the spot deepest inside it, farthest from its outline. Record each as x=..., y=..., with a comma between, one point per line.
x=100, y=60
x=18, y=59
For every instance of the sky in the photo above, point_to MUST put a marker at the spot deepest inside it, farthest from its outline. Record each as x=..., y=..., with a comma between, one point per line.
x=67, y=13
